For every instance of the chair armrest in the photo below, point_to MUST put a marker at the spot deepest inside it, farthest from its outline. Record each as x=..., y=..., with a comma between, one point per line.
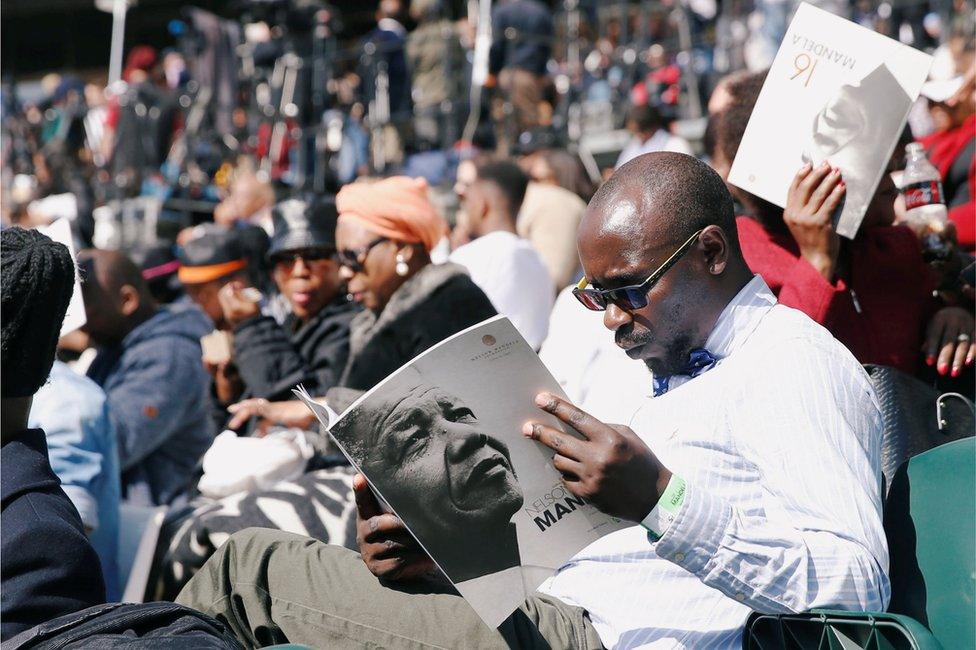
x=825, y=629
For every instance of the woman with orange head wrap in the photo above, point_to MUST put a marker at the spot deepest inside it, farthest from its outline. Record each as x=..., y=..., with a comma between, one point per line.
x=385, y=233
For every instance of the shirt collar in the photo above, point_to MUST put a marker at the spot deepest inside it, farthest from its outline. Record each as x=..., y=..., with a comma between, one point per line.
x=740, y=317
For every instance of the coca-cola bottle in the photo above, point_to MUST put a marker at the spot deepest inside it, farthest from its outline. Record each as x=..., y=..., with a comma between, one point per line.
x=925, y=204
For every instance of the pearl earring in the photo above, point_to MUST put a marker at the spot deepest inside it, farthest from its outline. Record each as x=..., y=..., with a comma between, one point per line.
x=401, y=266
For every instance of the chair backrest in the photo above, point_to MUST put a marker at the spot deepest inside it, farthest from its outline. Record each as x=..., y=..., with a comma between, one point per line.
x=139, y=528
x=930, y=522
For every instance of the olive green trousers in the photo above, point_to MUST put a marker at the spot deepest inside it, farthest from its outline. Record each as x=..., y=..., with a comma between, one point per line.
x=273, y=587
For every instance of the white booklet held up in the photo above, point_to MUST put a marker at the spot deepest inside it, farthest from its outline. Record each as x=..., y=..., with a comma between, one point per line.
x=440, y=441
x=836, y=91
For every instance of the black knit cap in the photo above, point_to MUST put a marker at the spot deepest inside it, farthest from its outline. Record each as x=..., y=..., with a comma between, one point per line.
x=36, y=280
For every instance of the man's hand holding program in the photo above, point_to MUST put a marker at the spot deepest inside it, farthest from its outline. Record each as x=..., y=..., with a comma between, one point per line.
x=610, y=467
x=388, y=549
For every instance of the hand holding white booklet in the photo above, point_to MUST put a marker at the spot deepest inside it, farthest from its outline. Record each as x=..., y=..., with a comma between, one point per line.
x=838, y=92
x=440, y=441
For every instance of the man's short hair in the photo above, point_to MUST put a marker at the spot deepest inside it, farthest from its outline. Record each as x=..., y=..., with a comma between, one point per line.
x=645, y=117
x=726, y=129
x=508, y=178
x=685, y=194
x=745, y=90
x=723, y=136
x=36, y=285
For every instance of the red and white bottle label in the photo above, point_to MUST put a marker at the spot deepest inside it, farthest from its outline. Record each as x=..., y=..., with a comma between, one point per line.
x=921, y=194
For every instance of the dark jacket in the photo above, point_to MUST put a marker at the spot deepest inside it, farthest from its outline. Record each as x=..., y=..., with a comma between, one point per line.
x=273, y=359
x=440, y=300
x=49, y=569
x=388, y=55
x=159, y=400
x=532, y=26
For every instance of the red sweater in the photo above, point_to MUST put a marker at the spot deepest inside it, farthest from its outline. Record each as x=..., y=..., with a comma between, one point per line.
x=943, y=149
x=889, y=282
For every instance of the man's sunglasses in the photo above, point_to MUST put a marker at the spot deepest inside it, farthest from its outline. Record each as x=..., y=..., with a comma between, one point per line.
x=634, y=296
x=354, y=258
x=307, y=255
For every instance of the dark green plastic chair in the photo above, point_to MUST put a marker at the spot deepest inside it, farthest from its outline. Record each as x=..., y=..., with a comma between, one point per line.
x=930, y=523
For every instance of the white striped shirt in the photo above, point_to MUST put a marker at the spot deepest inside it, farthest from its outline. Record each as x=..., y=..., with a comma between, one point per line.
x=780, y=445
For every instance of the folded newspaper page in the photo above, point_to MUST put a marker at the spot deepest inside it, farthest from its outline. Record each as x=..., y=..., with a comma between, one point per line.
x=838, y=92
x=440, y=441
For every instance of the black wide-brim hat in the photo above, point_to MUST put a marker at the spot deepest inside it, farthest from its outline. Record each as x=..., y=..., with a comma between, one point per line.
x=303, y=223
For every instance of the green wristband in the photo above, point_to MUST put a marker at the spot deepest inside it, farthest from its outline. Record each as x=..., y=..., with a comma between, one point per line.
x=666, y=511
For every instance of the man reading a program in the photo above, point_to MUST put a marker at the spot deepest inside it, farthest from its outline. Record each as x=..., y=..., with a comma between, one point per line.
x=751, y=474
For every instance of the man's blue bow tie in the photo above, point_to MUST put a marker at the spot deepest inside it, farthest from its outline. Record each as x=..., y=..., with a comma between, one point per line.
x=699, y=361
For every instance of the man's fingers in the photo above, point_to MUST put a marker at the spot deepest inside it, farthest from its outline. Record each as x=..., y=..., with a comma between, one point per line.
x=400, y=567
x=572, y=415
x=384, y=526
x=569, y=468
x=559, y=441
x=391, y=546
x=366, y=502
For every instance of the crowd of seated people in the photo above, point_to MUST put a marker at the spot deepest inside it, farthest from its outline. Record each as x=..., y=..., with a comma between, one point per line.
x=336, y=293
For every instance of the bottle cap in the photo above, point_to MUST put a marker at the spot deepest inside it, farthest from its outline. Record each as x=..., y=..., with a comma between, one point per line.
x=914, y=148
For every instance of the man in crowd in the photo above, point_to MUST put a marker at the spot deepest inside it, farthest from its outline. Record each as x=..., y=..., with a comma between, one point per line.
x=742, y=530
x=384, y=58
x=148, y=363
x=522, y=34
x=506, y=267
x=311, y=346
x=649, y=133
x=436, y=63
x=548, y=220
x=49, y=568
x=209, y=262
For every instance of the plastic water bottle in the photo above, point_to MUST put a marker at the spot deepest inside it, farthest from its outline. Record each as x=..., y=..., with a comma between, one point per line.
x=925, y=203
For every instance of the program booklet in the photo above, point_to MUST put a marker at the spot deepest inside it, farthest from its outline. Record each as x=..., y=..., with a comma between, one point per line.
x=440, y=442
x=836, y=91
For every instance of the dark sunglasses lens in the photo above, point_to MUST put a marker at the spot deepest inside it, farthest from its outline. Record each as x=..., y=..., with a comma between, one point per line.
x=318, y=255
x=348, y=260
x=285, y=259
x=590, y=299
x=635, y=298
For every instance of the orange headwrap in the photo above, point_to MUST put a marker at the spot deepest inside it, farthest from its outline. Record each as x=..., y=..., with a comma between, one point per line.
x=395, y=207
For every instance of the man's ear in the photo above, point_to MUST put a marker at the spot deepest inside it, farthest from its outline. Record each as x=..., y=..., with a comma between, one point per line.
x=129, y=300
x=715, y=243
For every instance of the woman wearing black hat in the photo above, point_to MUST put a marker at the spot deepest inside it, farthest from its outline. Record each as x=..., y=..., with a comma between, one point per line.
x=312, y=344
